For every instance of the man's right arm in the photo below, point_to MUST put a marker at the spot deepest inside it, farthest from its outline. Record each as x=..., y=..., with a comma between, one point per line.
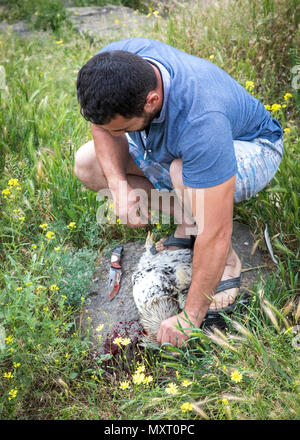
x=112, y=154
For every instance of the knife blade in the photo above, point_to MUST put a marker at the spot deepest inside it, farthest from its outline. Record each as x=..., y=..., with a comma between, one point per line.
x=115, y=272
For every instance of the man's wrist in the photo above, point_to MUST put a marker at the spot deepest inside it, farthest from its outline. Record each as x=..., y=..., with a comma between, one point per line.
x=196, y=316
x=114, y=183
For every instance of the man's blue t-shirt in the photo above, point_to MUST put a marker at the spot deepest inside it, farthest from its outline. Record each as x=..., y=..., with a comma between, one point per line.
x=204, y=110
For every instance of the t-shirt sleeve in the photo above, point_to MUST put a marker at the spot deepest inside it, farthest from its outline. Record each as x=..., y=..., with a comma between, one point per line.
x=207, y=151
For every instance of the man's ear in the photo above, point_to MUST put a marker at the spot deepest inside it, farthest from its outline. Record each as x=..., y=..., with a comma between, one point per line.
x=151, y=100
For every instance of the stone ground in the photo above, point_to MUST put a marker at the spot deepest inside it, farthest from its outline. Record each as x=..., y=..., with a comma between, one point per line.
x=111, y=22
x=121, y=315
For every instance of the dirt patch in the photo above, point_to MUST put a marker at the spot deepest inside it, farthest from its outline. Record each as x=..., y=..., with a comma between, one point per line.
x=121, y=315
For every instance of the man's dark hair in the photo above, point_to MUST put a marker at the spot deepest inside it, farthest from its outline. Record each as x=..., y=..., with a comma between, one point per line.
x=115, y=82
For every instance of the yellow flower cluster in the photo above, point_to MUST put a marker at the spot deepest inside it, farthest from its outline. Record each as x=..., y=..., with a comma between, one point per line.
x=50, y=235
x=8, y=375
x=12, y=184
x=249, y=86
x=186, y=406
x=12, y=393
x=138, y=378
x=287, y=96
x=9, y=339
x=121, y=341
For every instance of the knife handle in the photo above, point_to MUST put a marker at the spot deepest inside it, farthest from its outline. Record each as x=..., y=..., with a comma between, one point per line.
x=116, y=257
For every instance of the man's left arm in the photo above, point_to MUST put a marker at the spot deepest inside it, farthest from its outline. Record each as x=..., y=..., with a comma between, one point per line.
x=210, y=253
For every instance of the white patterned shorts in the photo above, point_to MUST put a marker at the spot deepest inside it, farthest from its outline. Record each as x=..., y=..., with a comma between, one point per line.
x=257, y=163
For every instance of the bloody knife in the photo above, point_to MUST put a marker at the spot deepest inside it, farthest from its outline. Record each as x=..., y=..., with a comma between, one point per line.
x=115, y=272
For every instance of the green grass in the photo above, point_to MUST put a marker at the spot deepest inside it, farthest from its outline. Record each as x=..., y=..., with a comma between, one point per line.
x=42, y=278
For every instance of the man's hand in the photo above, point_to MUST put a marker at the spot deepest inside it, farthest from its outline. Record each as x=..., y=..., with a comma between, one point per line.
x=129, y=206
x=170, y=331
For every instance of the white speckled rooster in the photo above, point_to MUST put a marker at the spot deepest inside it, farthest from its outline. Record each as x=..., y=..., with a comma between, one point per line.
x=160, y=285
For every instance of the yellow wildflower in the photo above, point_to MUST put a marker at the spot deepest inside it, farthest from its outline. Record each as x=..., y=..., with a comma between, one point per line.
x=44, y=226
x=12, y=393
x=155, y=12
x=54, y=288
x=138, y=378
x=17, y=364
x=57, y=248
x=57, y=15
x=225, y=401
x=8, y=375
x=124, y=385
x=59, y=42
x=249, y=85
x=67, y=355
x=287, y=96
x=236, y=376
x=34, y=246
x=147, y=380
x=287, y=130
x=21, y=219
x=117, y=341
x=29, y=283
x=50, y=235
x=13, y=182
x=140, y=369
x=186, y=383
x=71, y=225
x=172, y=388
x=267, y=107
x=275, y=107
x=126, y=341
x=9, y=339
x=6, y=192
x=186, y=406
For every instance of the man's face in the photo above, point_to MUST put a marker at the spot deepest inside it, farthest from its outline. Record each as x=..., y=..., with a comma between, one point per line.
x=120, y=125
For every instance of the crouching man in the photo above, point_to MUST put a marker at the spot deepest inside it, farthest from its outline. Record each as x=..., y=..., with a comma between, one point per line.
x=164, y=120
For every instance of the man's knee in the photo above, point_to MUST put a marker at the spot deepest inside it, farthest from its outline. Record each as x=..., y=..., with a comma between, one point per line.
x=83, y=161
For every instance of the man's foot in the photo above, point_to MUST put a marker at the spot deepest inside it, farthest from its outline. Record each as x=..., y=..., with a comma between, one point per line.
x=232, y=270
x=179, y=233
